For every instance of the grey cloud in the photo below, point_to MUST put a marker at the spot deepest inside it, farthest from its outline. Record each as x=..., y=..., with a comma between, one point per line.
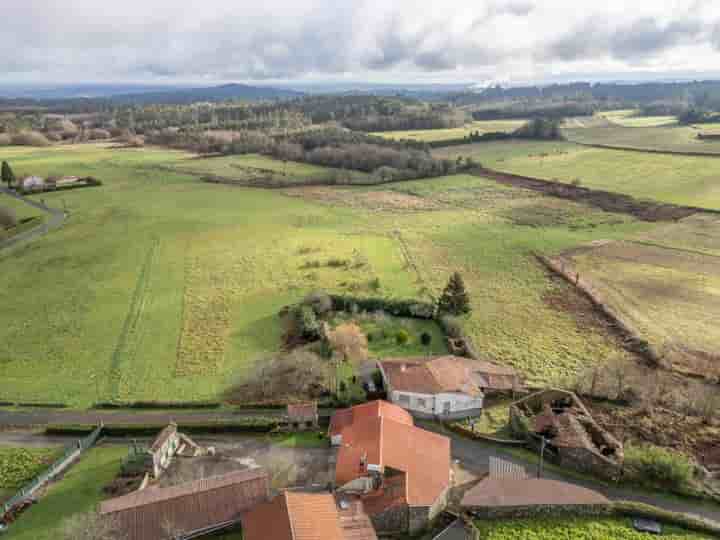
x=639, y=39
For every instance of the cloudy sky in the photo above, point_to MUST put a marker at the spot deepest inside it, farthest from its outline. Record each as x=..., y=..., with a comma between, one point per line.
x=511, y=41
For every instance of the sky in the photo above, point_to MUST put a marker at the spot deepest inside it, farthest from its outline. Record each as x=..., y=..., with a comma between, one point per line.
x=389, y=41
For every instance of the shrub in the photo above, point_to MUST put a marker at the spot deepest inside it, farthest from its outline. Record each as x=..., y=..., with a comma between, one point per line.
x=8, y=219
x=451, y=326
x=395, y=307
x=30, y=138
x=402, y=337
x=455, y=299
x=648, y=463
x=5, y=139
x=319, y=301
x=426, y=339
x=307, y=324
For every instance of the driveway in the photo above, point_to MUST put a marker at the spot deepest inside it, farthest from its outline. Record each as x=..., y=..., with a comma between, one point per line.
x=55, y=220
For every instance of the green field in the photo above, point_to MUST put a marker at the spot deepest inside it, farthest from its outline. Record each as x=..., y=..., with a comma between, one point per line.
x=575, y=529
x=684, y=180
x=26, y=215
x=632, y=118
x=434, y=135
x=252, y=168
x=79, y=490
x=664, y=138
x=164, y=287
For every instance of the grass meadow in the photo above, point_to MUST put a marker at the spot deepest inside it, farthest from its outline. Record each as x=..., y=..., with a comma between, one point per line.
x=164, y=287
x=78, y=491
x=435, y=135
x=684, y=180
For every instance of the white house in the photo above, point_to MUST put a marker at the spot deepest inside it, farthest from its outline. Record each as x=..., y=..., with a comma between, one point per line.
x=32, y=183
x=449, y=387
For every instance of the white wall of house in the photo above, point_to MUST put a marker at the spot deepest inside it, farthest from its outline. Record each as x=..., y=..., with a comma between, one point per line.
x=438, y=404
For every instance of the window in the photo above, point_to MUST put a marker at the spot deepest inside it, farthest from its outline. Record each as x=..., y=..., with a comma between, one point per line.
x=421, y=403
x=404, y=399
x=446, y=407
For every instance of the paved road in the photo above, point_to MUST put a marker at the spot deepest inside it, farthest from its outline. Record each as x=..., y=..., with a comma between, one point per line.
x=474, y=456
x=55, y=220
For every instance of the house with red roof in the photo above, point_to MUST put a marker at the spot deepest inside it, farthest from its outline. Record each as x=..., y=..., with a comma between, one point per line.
x=447, y=387
x=400, y=472
x=295, y=515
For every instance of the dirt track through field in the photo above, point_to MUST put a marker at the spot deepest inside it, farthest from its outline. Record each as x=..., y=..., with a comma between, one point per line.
x=56, y=218
x=605, y=200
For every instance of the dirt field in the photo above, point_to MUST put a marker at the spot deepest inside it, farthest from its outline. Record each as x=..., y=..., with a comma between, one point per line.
x=666, y=295
x=286, y=466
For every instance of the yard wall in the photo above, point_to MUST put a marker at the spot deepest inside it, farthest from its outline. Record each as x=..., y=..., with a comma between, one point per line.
x=525, y=512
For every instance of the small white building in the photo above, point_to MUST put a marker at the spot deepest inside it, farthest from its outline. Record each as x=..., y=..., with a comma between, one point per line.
x=448, y=387
x=32, y=183
x=163, y=450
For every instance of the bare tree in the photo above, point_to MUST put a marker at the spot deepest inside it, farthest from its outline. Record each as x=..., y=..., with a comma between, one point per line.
x=92, y=526
x=349, y=340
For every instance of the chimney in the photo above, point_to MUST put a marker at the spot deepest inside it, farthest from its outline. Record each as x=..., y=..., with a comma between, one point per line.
x=403, y=368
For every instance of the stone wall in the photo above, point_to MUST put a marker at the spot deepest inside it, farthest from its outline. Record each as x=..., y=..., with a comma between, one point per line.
x=392, y=520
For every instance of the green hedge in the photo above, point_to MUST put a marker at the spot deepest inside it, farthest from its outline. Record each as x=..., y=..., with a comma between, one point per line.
x=396, y=307
x=242, y=425
x=640, y=510
x=157, y=405
x=648, y=463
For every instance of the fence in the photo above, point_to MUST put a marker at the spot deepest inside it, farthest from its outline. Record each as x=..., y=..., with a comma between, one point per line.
x=62, y=463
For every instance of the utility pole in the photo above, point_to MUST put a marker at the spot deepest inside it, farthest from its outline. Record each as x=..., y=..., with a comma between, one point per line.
x=542, y=456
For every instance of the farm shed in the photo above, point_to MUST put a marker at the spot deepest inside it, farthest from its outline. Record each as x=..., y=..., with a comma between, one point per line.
x=294, y=515
x=525, y=497
x=572, y=436
x=301, y=416
x=163, y=449
x=188, y=508
x=448, y=387
x=400, y=472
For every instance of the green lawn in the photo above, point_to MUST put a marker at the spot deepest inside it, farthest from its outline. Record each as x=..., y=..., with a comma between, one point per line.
x=79, y=490
x=684, y=180
x=573, y=528
x=434, y=135
x=251, y=168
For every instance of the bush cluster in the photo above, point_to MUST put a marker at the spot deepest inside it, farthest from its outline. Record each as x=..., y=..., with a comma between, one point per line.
x=648, y=463
x=396, y=307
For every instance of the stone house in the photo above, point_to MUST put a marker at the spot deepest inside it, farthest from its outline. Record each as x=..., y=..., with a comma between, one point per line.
x=495, y=498
x=446, y=387
x=301, y=417
x=162, y=450
x=572, y=437
x=294, y=515
x=400, y=472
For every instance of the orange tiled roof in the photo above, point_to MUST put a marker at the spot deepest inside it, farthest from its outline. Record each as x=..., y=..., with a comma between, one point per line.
x=448, y=374
x=306, y=516
x=390, y=439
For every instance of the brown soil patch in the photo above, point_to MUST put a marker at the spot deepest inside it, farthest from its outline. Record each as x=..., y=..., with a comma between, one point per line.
x=660, y=427
x=605, y=200
x=373, y=200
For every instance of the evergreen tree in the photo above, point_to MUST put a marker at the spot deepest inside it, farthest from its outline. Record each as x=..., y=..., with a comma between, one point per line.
x=455, y=299
x=7, y=174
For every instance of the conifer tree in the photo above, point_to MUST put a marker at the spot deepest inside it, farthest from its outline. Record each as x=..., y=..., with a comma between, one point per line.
x=7, y=174
x=455, y=299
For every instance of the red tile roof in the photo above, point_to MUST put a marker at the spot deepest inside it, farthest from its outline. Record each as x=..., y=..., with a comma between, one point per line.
x=188, y=507
x=501, y=492
x=448, y=374
x=383, y=434
x=306, y=516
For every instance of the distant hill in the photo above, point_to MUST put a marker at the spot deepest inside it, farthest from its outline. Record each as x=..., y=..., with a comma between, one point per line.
x=215, y=93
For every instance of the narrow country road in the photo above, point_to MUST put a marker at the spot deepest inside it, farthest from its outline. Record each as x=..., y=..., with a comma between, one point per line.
x=474, y=456
x=54, y=221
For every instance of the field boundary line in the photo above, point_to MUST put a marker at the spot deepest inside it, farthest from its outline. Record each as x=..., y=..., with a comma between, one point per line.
x=671, y=248
x=407, y=255
x=643, y=150
x=609, y=201
x=126, y=347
